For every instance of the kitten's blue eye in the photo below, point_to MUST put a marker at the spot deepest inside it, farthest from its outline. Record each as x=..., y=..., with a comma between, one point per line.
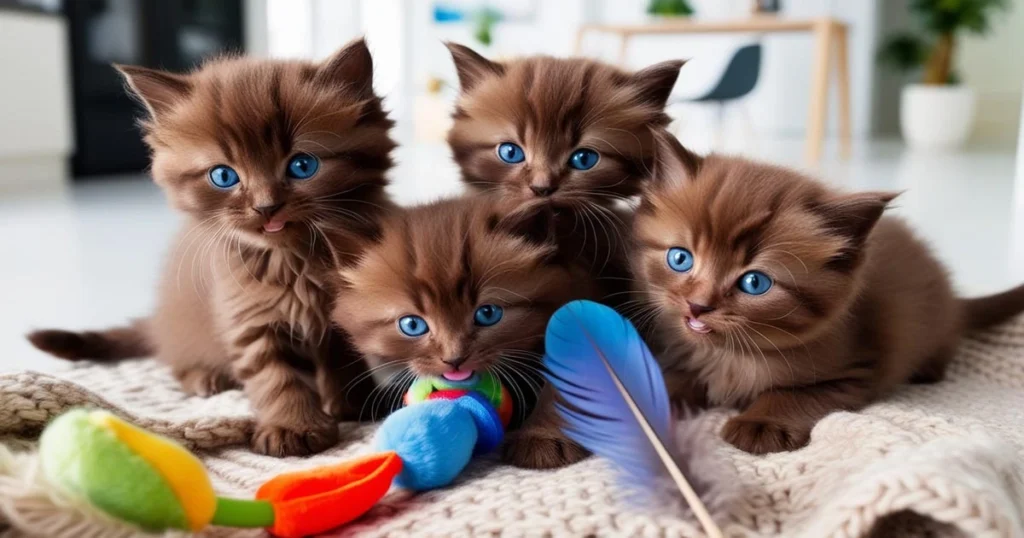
x=584, y=159
x=413, y=326
x=680, y=259
x=223, y=177
x=755, y=283
x=511, y=153
x=488, y=315
x=303, y=166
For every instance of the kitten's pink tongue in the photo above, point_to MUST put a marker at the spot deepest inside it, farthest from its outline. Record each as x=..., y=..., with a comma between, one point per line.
x=458, y=375
x=698, y=325
x=274, y=226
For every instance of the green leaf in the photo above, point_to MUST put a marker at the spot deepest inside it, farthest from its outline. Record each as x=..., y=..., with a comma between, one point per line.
x=948, y=16
x=669, y=8
x=903, y=52
x=486, y=19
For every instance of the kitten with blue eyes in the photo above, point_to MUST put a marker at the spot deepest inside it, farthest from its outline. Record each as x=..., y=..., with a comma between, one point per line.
x=776, y=295
x=462, y=286
x=279, y=167
x=573, y=133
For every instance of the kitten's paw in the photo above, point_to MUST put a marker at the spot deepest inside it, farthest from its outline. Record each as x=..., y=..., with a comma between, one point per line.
x=763, y=437
x=205, y=383
x=541, y=450
x=280, y=442
x=337, y=407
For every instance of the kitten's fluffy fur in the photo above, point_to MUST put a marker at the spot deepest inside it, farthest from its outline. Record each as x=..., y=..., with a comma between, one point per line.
x=551, y=107
x=444, y=260
x=858, y=305
x=239, y=304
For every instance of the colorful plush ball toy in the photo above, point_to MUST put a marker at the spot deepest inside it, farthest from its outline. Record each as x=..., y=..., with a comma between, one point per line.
x=444, y=423
x=154, y=483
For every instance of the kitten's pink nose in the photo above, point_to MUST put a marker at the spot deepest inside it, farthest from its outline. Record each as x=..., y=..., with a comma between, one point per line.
x=455, y=362
x=698, y=309
x=268, y=210
x=542, y=189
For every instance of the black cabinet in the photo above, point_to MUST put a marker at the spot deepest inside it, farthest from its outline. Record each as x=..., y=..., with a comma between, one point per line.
x=167, y=34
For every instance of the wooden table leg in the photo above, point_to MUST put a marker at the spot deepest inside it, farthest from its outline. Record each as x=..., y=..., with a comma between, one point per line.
x=578, y=48
x=819, y=90
x=843, y=85
x=623, y=49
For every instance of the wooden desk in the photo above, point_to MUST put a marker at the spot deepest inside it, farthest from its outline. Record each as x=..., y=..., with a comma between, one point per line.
x=829, y=42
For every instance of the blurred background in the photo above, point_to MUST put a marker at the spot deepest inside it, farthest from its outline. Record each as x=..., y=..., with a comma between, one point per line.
x=922, y=96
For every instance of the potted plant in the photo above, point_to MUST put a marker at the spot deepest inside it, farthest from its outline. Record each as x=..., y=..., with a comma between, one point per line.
x=483, y=26
x=938, y=112
x=669, y=8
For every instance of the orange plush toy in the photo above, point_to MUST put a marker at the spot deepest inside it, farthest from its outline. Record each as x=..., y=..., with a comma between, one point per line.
x=313, y=501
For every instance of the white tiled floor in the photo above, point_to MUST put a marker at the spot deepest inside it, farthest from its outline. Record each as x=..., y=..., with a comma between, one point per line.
x=89, y=257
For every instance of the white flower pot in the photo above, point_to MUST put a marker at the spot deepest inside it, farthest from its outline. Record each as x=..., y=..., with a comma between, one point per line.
x=936, y=117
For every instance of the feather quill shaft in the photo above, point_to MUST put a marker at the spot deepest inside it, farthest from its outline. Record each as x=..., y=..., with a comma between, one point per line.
x=692, y=499
x=612, y=398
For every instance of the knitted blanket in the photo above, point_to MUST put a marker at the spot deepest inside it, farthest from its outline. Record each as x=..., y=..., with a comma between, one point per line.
x=932, y=460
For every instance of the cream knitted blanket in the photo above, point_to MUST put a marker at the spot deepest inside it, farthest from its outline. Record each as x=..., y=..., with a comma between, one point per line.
x=933, y=460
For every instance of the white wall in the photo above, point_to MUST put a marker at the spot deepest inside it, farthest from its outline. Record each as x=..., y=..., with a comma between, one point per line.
x=552, y=31
x=1017, y=230
x=314, y=29
x=994, y=66
x=257, y=40
x=35, y=102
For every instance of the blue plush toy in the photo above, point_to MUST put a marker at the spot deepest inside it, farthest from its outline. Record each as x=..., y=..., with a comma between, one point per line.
x=444, y=423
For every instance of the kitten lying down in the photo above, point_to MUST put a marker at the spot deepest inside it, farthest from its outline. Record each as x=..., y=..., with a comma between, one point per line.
x=458, y=286
x=788, y=300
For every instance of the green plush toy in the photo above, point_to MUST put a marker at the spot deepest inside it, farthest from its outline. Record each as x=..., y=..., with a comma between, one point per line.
x=91, y=453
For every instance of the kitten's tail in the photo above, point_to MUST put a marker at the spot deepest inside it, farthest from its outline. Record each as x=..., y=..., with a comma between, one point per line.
x=984, y=312
x=108, y=345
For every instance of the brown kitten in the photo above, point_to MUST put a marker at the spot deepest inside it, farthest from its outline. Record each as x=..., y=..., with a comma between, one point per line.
x=550, y=108
x=461, y=286
x=791, y=300
x=573, y=132
x=271, y=161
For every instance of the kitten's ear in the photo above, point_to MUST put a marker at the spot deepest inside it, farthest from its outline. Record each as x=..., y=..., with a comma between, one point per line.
x=656, y=82
x=351, y=67
x=534, y=223
x=472, y=67
x=673, y=163
x=855, y=215
x=158, y=90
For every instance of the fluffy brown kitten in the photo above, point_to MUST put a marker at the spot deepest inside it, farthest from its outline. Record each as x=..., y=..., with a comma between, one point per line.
x=461, y=286
x=573, y=132
x=568, y=130
x=789, y=300
x=271, y=161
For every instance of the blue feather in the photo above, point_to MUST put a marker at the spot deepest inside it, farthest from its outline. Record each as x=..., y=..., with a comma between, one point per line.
x=583, y=340
x=599, y=365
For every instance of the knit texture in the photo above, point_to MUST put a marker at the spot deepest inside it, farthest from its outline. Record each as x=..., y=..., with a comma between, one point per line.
x=932, y=460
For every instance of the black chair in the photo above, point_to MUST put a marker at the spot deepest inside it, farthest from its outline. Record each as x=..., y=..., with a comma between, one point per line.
x=740, y=76
x=739, y=79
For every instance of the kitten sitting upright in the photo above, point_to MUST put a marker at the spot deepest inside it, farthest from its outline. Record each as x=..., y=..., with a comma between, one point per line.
x=788, y=300
x=460, y=286
x=272, y=162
